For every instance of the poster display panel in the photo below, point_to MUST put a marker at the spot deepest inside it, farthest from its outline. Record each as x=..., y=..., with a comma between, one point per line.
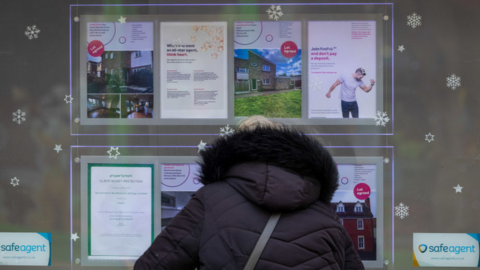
x=119, y=70
x=357, y=201
x=336, y=50
x=193, y=70
x=120, y=210
x=268, y=69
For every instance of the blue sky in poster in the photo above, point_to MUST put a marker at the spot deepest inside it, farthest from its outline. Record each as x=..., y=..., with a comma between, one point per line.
x=289, y=66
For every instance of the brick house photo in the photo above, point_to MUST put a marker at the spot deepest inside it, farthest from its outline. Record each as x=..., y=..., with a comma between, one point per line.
x=120, y=72
x=254, y=72
x=358, y=220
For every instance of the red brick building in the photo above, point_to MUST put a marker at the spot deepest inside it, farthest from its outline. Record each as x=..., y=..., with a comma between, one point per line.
x=358, y=219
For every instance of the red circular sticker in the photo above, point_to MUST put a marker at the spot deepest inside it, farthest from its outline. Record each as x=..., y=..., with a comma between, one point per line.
x=361, y=191
x=95, y=48
x=289, y=49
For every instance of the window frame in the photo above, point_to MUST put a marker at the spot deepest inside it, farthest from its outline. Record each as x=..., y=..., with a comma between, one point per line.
x=363, y=242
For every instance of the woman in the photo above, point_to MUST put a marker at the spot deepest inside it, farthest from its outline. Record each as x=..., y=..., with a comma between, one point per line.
x=263, y=168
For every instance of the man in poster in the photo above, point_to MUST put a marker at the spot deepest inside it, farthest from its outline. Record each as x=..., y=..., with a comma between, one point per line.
x=349, y=84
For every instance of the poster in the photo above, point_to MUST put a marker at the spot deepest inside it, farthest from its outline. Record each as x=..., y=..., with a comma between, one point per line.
x=446, y=249
x=268, y=69
x=120, y=70
x=193, y=70
x=179, y=182
x=25, y=249
x=120, y=209
x=336, y=51
x=355, y=203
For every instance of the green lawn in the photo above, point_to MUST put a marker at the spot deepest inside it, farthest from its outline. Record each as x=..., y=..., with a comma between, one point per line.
x=282, y=105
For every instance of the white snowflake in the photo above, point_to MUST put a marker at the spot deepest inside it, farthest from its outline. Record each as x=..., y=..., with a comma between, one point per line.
x=414, y=20
x=19, y=117
x=381, y=119
x=401, y=211
x=453, y=82
x=429, y=137
x=316, y=84
x=113, y=155
x=274, y=12
x=226, y=131
x=14, y=182
x=32, y=32
x=401, y=48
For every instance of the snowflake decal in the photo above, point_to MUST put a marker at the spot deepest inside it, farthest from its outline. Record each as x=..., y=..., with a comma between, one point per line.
x=381, y=119
x=429, y=137
x=401, y=211
x=14, y=182
x=453, y=82
x=274, y=12
x=32, y=32
x=316, y=84
x=401, y=48
x=19, y=117
x=68, y=99
x=414, y=20
x=112, y=153
x=226, y=131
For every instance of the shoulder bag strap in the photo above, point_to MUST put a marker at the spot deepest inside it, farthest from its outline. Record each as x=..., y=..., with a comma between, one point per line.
x=262, y=241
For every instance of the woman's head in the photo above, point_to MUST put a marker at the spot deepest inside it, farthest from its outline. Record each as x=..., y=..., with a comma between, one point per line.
x=253, y=122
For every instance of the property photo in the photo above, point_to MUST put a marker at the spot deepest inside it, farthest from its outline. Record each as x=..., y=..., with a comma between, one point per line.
x=267, y=83
x=120, y=106
x=120, y=72
x=361, y=225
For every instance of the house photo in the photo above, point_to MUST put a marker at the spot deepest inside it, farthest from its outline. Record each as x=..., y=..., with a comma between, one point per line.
x=358, y=220
x=256, y=70
x=120, y=72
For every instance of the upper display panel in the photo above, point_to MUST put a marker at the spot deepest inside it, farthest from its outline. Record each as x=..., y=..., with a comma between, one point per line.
x=323, y=67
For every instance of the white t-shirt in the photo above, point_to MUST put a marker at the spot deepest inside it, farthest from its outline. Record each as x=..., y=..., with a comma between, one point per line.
x=348, y=87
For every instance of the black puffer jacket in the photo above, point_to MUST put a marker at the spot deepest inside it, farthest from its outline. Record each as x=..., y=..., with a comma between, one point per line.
x=247, y=177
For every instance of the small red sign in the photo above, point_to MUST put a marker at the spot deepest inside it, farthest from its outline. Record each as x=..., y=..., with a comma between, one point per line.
x=95, y=48
x=289, y=49
x=361, y=191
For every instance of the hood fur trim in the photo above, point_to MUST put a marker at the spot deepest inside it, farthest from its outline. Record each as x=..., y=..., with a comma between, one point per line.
x=284, y=147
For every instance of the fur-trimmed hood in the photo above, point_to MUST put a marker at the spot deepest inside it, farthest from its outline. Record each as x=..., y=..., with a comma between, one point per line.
x=279, y=169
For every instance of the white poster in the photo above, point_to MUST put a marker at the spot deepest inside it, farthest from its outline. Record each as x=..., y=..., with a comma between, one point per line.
x=342, y=69
x=193, y=69
x=120, y=70
x=180, y=177
x=120, y=209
